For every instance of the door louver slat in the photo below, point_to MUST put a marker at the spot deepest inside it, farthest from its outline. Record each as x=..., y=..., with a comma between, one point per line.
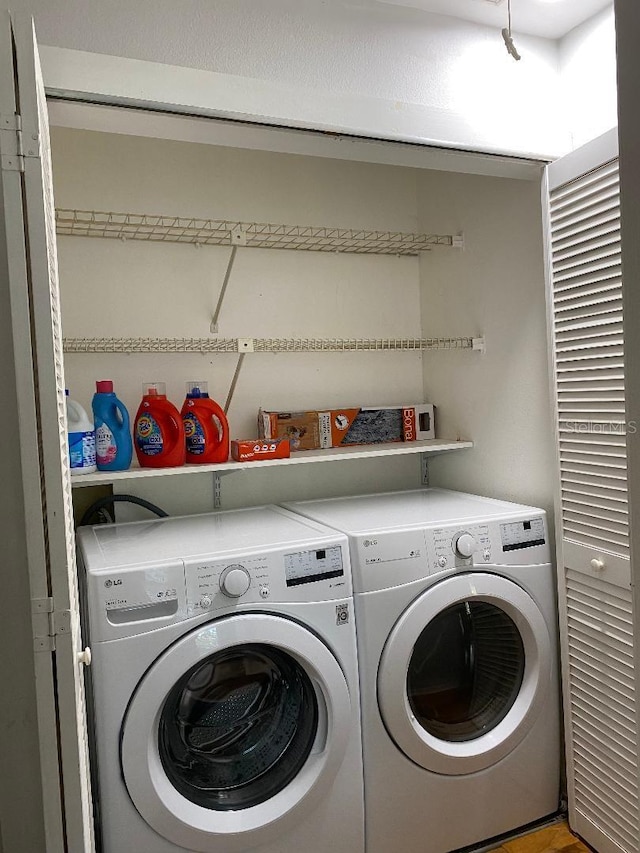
x=589, y=366
x=620, y=669
x=622, y=758
x=605, y=228
x=601, y=706
x=622, y=835
x=618, y=680
x=599, y=278
x=613, y=792
x=587, y=630
x=622, y=828
x=616, y=704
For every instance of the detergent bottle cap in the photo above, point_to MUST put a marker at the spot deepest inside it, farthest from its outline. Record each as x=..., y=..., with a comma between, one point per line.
x=105, y=386
x=154, y=389
x=196, y=390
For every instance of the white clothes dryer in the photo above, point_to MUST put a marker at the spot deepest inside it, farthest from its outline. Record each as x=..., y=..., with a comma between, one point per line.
x=224, y=685
x=456, y=624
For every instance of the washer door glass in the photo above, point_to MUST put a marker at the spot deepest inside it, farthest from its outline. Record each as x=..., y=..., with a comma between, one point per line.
x=466, y=671
x=238, y=727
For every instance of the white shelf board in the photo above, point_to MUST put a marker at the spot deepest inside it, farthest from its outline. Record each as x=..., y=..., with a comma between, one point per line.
x=367, y=451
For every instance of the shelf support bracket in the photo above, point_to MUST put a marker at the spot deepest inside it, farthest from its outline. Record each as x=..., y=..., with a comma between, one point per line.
x=217, y=491
x=479, y=345
x=225, y=284
x=234, y=382
x=424, y=469
x=238, y=238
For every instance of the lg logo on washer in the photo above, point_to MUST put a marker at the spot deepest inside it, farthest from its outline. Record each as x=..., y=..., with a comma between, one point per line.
x=115, y=582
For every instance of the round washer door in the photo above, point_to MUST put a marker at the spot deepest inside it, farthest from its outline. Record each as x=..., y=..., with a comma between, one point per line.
x=237, y=728
x=464, y=673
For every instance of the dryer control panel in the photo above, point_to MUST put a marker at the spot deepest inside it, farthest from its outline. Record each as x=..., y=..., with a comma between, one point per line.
x=393, y=558
x=507, y=543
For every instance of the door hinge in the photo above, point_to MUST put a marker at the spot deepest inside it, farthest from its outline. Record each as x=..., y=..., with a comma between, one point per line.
x=49, y=623
x=18, y=142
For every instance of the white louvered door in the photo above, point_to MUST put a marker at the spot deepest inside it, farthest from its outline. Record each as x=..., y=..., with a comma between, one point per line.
x=27, y=198
x=594, y=578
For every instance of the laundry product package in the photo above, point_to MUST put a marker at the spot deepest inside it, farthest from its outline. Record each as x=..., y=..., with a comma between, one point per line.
x=255, y=450
x=315, y=429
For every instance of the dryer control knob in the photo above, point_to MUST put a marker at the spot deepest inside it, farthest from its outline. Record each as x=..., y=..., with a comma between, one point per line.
x=235, y=581
x=465, y=545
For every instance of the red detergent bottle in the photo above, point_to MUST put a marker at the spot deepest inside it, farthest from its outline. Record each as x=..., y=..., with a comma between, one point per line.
x=205, y=425
x=158, y=431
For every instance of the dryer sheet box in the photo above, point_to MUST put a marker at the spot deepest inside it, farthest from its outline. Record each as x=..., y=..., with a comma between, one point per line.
x=316, y=430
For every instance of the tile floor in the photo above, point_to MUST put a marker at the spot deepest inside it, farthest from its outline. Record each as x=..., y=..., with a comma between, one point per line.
x=550, y=839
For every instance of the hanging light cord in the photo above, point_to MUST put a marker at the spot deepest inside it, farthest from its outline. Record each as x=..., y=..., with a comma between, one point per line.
x=506, y=35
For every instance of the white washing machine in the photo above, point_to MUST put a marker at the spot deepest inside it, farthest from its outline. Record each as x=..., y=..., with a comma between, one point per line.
x=224, y=684
x=456, y=625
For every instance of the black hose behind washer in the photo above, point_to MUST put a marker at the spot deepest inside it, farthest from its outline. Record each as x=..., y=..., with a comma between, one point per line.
x=101, y=503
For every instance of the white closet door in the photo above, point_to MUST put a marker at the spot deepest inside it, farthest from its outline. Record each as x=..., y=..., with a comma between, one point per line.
x=27, y=196
x=596, y=621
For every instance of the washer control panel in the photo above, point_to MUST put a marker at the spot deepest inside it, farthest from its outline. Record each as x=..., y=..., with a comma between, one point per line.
x=304, y=575
x=217, y=583
x=455, y=546
x=303, y=567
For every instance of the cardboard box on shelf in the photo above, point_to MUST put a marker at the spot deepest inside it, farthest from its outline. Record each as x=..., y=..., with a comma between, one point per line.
x=254, y=450
x=315, y=429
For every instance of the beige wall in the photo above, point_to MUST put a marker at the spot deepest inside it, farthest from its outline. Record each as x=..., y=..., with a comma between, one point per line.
x=110, y=288
x=495, y=287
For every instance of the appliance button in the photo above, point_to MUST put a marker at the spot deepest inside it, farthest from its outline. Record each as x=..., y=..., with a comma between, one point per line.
x=442, y=562
x=264, y=591
x=464, y=545
x=205, y=602
x=235, y=581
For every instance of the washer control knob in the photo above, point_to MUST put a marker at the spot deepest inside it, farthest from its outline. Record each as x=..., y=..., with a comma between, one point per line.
x=205, y=602
x=465, y=545
x=264, y=591
x=235, y=581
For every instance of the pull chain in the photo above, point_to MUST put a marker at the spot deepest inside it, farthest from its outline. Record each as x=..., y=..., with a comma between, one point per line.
x=506, y=35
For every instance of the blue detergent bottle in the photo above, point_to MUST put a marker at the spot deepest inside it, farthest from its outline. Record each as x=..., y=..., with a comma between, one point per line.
x=114, y=446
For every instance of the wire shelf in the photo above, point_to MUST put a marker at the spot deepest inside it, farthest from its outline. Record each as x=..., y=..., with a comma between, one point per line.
x=274, y=345
x=220, y=232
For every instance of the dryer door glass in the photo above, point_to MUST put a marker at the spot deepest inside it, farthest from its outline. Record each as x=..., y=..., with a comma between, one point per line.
x=238, y=727
x=465, y=671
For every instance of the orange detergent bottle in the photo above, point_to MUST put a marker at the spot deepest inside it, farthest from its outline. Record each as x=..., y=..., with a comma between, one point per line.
x=158, y=431
x=205, y=425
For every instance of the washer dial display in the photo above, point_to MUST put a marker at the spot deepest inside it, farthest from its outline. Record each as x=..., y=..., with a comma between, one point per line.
x=522, y=534
x=310, y=566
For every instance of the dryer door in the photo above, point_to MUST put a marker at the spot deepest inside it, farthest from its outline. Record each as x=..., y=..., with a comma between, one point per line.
x=464, y=673
x=234, y=730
